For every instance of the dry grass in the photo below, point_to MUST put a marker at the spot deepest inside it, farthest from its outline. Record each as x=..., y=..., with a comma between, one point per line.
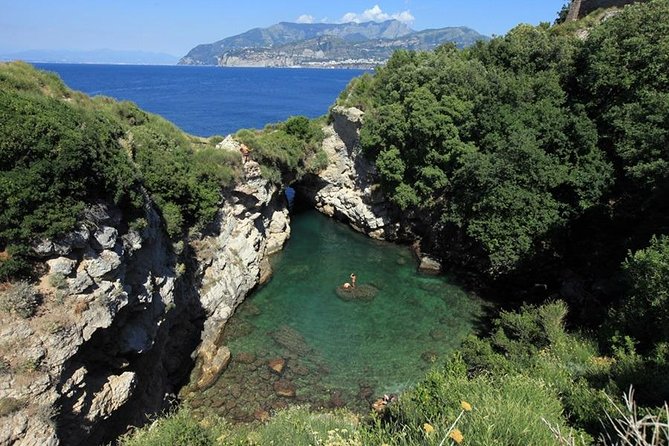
x=625, y=427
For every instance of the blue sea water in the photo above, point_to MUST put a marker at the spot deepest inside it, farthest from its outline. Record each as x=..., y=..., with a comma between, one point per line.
x=207, y=101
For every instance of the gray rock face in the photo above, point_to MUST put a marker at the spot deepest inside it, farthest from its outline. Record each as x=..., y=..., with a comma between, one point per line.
x=252, y=224
x=105, y=236
x=102, y=264
x=131, y=320
x=347, y=189
x=115, y=392
x=61, y=265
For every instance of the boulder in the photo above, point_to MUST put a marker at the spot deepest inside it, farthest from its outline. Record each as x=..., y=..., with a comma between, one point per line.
x=103, y=264
x=61, y=265
x=245, y=357
x=81, y=283
x=277, y=365
x=284, y=388
x=75, y=239
x=105, y=237
x=43, y=248
x=429, y=265
x=115, y=392
x=213, y=364
x=261, y=415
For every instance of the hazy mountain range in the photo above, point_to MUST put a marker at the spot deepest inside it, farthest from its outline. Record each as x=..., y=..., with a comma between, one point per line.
x=324, y=45
x=102, y=56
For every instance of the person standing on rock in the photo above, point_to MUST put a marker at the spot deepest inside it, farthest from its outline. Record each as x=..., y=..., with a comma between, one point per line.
x=245, y=152
x=353, y=279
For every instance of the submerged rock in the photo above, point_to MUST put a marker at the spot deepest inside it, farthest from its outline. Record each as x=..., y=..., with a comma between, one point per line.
x=291, y=339
x=284, y=388
x=277, y=365
x=245, y=357
x=364, y=292
x=429, y=265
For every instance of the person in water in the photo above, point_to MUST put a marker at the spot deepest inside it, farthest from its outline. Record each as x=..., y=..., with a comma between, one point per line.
x=353, y=278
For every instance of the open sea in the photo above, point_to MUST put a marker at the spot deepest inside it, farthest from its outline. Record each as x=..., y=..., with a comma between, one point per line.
x=207, y=101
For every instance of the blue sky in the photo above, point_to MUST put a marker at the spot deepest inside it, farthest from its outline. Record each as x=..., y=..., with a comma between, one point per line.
x=174, y=27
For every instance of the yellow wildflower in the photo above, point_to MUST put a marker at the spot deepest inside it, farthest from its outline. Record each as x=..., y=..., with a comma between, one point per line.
x=456, y=435
x=428, y=428
x=466, y=406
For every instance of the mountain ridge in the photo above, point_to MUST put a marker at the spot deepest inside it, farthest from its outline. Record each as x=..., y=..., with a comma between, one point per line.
x=354, y=45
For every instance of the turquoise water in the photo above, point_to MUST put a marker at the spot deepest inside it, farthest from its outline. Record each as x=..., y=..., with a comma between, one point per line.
x=338, y=352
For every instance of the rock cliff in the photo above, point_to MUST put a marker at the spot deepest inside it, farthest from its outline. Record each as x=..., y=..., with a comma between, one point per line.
x=581, y=8
x=347, y=189
x=124, y=309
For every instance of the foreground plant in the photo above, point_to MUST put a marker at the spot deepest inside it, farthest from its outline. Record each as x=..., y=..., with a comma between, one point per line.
x=626, y=426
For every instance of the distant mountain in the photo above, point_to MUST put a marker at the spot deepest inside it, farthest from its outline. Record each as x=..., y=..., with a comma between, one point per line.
x=323, y=45
x=103, y=56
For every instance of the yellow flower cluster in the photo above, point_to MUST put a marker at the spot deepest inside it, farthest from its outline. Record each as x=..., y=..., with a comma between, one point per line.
x=456, y=436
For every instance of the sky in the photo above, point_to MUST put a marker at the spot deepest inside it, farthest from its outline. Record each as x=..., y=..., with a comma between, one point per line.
x=174, y=27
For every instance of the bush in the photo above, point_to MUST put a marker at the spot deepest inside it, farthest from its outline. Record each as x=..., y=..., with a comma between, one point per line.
x=507, y=409
x=179, y=429
x=644, y=313
x=20, y=298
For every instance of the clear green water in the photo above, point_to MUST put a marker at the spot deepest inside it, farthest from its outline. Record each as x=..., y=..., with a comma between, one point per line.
x=339, y=353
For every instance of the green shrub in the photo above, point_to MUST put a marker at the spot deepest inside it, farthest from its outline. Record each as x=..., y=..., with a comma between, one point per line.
x=298, y=426
x=644, y=313
x=20, y=298
x=178, y=429
x=507, y=410
x=58, y=281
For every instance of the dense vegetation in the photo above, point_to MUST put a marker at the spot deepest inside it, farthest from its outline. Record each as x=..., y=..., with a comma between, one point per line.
x=510, y=145
x=287, y=150
x=535, y=153
x=61, y=151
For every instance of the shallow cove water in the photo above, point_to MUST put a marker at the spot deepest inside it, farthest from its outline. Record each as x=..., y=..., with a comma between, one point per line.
x=338, y=352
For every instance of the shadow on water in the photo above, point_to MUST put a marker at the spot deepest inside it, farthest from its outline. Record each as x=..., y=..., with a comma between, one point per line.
x=305, y=339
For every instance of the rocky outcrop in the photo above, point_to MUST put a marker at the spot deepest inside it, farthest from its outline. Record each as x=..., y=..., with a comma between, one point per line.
x=581, y=8
x=252, y=224
x=348, y=188
x=124, y=309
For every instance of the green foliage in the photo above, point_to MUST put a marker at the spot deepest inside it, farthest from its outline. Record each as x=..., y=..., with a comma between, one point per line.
x=300, y=427
x=507, y=409
x=644, y=313
x=488, y=139
x=179, y=429
x=295, y=426
x=283, y=149
x=60, y=151
x=533, y=343
x=54, y=159
x=20, y=298
x=624, y=78
x=562, y=14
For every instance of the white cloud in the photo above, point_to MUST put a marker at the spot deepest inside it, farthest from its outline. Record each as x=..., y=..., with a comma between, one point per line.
x=376, y=14
x=305, y=18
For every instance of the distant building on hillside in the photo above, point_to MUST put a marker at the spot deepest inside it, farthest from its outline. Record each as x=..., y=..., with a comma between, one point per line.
x=581, y=8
